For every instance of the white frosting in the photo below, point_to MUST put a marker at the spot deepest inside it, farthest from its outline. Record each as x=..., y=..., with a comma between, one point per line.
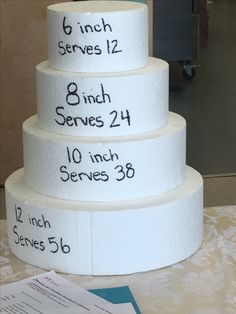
x=105, y=169
x=113, y=104
x=104, y=238
x=104, y=36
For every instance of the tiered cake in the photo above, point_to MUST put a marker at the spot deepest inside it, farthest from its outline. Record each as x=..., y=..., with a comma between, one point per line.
x=105, y=188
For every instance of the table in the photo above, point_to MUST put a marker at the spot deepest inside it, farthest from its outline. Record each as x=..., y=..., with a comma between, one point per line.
x=205, y=283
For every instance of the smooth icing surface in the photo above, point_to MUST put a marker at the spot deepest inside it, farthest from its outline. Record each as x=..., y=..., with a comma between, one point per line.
x=104, y=169
x=104, y=238
x=108, y=104
x=85, y=37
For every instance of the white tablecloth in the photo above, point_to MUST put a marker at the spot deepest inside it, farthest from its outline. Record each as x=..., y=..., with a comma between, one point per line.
x=203, y=284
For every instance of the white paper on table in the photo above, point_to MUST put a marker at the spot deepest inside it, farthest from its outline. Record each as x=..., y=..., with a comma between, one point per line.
x=123, y=308
x=49, y=293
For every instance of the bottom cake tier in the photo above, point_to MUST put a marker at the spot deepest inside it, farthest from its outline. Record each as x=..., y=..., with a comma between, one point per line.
x=104, y=238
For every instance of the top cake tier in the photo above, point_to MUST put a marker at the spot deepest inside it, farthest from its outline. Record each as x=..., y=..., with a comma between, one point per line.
x=97, y=36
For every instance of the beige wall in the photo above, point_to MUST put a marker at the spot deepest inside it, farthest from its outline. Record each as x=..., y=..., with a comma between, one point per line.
x=23, y=44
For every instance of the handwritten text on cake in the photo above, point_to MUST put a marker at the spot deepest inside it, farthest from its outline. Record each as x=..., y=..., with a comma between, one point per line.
x=75, y=97
x=75, y=157
x=52, y=243
x=109, y=47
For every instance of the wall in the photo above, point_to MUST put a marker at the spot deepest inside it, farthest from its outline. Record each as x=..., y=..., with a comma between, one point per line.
x=23, y=44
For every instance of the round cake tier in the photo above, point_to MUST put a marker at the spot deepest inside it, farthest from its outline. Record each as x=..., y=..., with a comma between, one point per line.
x=104, y=169
x=104, y=238
x=102, y=36
x=108, y=104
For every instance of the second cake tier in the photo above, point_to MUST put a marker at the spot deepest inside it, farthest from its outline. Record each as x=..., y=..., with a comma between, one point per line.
x=105, y=169
x=103, y=104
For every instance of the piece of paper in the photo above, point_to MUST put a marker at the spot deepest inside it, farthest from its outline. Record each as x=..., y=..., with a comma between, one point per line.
x=123, y=308
x=50, y=293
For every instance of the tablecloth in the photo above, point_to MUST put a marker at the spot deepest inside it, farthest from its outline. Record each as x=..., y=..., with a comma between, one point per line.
x=205, y=283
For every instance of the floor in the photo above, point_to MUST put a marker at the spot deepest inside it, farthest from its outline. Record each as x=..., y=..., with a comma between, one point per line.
x=208, y=103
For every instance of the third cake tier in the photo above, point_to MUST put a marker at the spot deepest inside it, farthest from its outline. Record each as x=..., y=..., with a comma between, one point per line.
x=105, y=168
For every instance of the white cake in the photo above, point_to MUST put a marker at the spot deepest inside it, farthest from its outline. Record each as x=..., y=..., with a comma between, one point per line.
x=105, y=188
